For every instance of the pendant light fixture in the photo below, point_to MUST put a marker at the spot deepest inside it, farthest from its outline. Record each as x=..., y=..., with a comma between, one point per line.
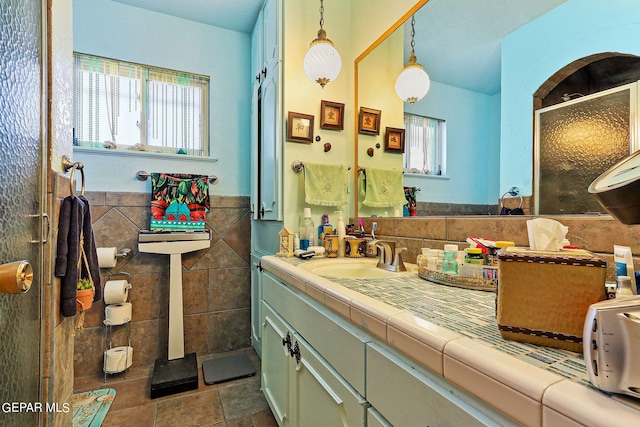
x=322, y=62
x=413, y=83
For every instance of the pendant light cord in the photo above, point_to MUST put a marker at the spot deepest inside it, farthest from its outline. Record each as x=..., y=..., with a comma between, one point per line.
x=321, y=13
x=413, y=33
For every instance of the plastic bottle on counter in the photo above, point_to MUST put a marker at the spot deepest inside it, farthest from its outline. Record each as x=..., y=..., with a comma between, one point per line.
x=439, y=259
x=624, y=286
x=423, y=259
x=296, y=242
x=307, y=230
x=493, y=255
x=473, y=256
x=450, y=265
x=341, y=231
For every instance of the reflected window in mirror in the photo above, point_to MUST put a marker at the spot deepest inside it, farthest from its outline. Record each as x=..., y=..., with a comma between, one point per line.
x=425, y=145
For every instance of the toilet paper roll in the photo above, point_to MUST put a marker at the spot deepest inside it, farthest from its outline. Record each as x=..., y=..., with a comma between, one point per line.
x=116, y=291
x=118, y=359
x=117, y=314
x=107, y=257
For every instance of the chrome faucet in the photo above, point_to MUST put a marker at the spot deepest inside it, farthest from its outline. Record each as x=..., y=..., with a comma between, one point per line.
x=389, y=256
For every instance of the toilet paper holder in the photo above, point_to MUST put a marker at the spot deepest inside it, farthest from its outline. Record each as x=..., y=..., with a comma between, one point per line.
x=125, y=253
x=119, y=273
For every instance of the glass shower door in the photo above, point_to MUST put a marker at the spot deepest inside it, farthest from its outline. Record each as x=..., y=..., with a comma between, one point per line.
x=21, y=207
x=576, y=141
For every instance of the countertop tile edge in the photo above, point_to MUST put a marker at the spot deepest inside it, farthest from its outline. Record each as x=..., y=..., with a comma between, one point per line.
x=516, y=374
x=590, y=407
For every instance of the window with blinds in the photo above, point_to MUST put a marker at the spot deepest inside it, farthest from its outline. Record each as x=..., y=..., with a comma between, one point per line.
x=126, y=106
x=424, y=145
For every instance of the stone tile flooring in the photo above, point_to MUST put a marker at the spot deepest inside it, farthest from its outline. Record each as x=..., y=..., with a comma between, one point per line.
x=237, y=403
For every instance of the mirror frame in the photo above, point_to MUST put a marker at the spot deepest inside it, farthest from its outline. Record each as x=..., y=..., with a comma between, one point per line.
x=356, y=107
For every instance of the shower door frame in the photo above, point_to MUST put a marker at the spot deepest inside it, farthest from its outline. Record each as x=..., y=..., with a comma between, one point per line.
x=634, y=128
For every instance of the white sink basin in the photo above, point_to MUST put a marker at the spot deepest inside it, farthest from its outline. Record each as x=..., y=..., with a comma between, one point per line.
x=358, y=268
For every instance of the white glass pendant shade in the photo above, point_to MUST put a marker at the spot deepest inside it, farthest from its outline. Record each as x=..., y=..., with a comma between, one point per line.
x=413, y=83
x=322, y=61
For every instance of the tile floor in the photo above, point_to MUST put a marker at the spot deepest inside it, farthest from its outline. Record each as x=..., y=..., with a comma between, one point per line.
x=237, y=403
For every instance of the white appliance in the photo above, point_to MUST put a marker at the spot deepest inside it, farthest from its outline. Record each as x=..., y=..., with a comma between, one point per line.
x=611, y=345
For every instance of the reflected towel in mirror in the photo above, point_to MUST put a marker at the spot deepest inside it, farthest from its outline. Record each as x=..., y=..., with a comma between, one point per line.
x=384, y=188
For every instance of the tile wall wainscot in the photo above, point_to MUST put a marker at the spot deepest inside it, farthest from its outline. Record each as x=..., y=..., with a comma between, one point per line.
x=216, y=283
x=451, y=209
x=597, y=234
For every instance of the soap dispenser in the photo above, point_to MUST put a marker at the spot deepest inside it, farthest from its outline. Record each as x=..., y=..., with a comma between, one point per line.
x=341, y=232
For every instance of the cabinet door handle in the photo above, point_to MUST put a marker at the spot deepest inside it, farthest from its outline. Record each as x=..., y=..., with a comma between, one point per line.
x=286, y=342
x=264, y=72
x=296, y=352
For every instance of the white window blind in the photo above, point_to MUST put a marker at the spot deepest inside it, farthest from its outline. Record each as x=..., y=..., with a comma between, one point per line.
x=425, y=145
x=121, y=105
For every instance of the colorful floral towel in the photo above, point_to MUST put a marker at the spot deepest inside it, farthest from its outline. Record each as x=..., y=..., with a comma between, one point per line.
x=90, y=407
x=179, y=201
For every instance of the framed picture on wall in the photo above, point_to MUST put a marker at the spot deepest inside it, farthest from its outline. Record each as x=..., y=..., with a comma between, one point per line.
x=299, y=127
x=369, y=121
x=394, y=140
x=331, y=115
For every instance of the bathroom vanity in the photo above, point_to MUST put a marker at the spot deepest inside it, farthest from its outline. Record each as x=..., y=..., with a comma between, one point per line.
x=402, y=351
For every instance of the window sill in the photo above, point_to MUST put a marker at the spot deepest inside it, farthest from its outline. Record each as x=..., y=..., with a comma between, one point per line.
x=421, y=175
x=104, y=152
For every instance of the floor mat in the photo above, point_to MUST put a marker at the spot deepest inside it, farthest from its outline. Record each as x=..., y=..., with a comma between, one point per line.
x=90, y=407
x=227, y=368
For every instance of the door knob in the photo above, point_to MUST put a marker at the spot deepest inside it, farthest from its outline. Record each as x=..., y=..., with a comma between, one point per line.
x=15, y=277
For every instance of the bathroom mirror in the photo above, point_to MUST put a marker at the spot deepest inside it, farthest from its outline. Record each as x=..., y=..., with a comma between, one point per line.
x=489, y=149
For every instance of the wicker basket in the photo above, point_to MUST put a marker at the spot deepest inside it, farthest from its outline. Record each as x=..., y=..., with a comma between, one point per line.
x=543, y=297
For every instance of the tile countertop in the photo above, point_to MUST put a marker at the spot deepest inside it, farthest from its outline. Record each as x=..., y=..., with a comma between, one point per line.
x=453, y=332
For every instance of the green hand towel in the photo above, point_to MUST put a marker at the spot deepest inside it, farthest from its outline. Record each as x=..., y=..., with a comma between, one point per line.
x=325, y=185
x=385, y=188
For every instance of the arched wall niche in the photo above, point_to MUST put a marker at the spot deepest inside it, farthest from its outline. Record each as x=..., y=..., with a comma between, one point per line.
x=588, y=75
x=600, y=135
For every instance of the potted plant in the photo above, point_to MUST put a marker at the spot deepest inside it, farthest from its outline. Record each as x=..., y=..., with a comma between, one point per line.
x=84, y=294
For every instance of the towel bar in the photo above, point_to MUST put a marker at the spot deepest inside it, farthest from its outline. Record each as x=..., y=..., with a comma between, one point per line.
x=67, y=165
x=143, y=175
x=298, y=165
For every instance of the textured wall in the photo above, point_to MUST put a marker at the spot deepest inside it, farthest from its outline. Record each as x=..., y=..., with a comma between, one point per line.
x=116, y=30
x=216, y=283
x=536, y=51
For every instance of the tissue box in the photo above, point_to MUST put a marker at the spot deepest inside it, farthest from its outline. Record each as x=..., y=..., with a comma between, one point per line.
x=543, y=297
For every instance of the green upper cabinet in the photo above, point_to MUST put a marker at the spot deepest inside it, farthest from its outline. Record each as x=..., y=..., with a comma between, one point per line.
x=266, y=194
x=271, y=32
